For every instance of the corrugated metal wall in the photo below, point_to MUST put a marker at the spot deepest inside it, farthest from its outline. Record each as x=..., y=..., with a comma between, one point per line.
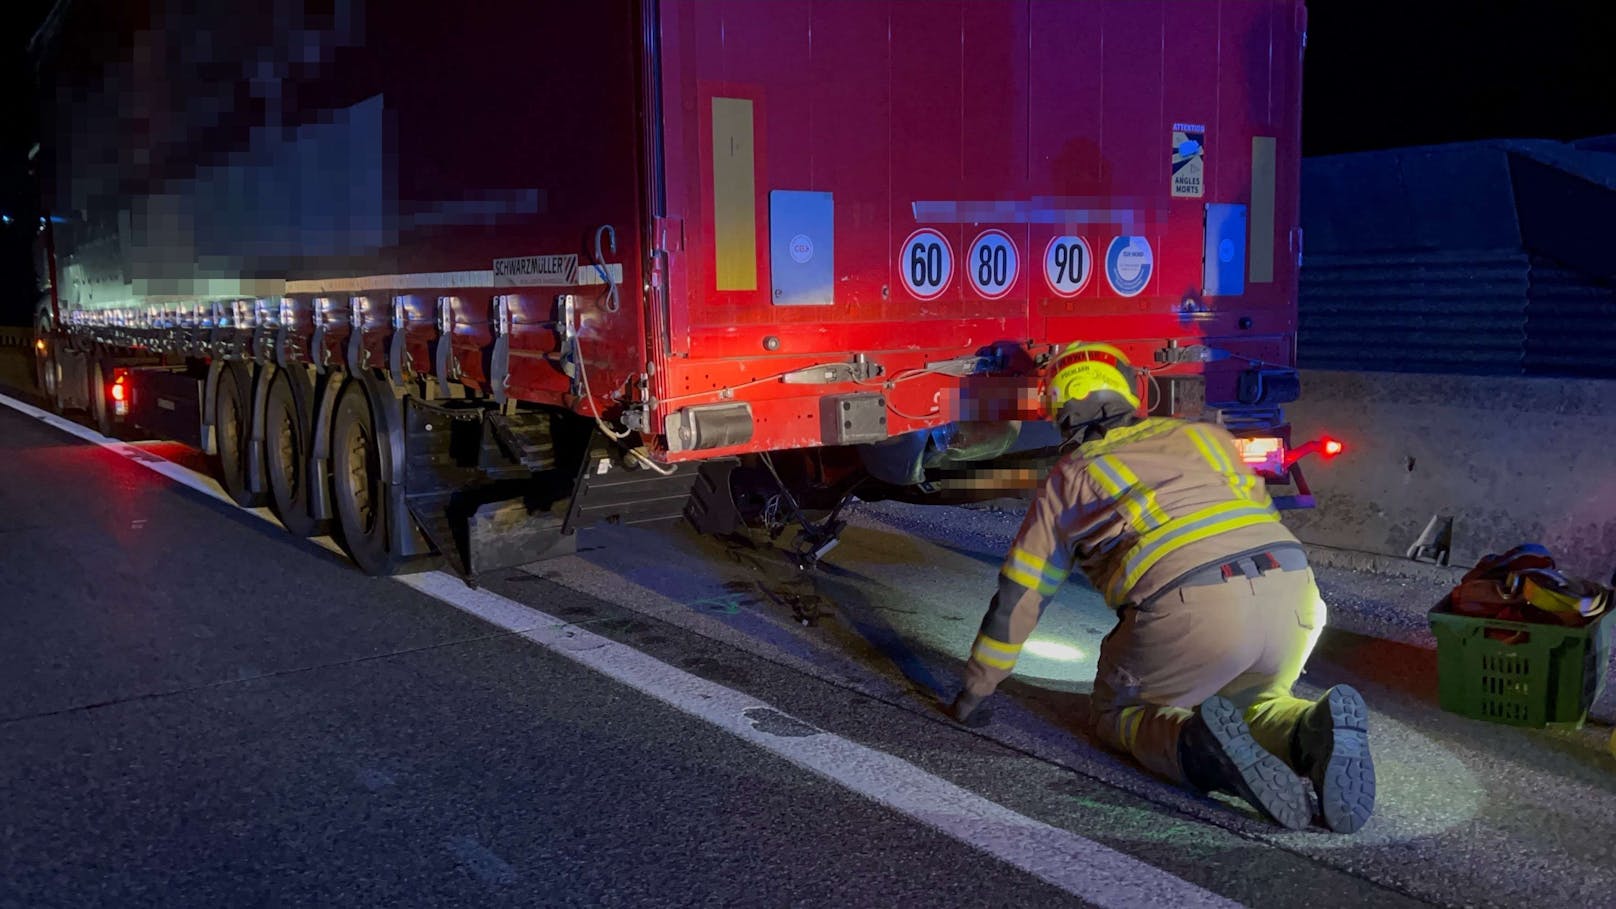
x=1570, y=324
x=1419, y=260
x=1461, y=312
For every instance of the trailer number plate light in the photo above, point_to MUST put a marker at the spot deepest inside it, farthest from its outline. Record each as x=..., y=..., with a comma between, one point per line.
x=1263, y=454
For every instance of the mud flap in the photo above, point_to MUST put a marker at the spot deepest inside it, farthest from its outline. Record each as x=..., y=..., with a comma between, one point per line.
x=615, y=488
x=711, y=506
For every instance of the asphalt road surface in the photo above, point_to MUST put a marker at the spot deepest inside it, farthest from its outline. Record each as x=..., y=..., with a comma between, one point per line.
x=196, y=709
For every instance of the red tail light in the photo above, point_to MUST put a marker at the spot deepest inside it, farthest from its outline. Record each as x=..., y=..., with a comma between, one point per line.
x=117, y=389
x=1324, y=446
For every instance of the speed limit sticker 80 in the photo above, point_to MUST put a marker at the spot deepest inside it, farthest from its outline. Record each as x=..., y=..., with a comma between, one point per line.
x=993, y=264
x=927, y=264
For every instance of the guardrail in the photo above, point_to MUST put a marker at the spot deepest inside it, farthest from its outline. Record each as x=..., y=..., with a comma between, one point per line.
x=16, y=337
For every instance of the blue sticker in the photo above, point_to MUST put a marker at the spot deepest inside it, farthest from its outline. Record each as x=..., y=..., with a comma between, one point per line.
x=1128, y=263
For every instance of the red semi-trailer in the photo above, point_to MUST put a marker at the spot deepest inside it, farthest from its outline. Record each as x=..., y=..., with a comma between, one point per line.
x=455, y=280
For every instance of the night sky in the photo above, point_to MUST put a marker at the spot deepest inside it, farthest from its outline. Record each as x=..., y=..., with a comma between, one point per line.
x=1379, y=74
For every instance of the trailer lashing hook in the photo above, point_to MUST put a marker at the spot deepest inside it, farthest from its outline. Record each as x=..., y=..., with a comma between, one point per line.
x=499, y=360
x=358, y=355
x=443, y=347
x=396, y=346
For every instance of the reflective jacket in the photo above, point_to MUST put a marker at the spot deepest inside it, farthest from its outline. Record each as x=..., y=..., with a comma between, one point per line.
x=1136, y=511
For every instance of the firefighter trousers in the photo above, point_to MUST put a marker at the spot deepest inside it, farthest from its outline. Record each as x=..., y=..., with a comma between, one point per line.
x=1246, y=639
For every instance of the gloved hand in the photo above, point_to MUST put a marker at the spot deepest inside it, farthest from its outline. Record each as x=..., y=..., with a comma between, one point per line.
x=967, y=710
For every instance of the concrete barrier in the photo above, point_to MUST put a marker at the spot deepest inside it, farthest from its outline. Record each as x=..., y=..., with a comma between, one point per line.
x=16, y=337
x=1507, y=459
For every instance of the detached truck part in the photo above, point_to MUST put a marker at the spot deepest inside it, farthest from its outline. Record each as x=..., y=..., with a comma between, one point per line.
x=454, y=280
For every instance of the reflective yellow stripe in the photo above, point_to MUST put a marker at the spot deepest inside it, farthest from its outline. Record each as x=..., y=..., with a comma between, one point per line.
x=1129, y=720
x=1211, y=448
x=997, y=654
x=1242, y=482
x=1123, y=485
x=1003, y=648
x=1192, y=528
x=1144, y=429
x=1033, y=572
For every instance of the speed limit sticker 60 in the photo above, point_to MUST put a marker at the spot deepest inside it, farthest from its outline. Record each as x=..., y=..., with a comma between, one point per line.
x=993, y=264
x=926, y=263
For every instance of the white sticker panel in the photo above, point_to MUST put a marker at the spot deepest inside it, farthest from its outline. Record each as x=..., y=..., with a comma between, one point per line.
x=1068, y=265
x=993, y=264
x=926, y=263
x=536, y=271
x=1128, y=264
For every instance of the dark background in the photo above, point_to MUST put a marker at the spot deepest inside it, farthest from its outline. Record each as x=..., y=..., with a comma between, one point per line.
x=1380, y=74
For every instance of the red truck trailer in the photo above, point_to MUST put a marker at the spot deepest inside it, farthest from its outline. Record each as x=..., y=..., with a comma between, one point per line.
x=454, y=280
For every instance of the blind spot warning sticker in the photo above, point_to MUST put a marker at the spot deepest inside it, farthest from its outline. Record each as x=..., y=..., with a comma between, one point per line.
x=1189, y=160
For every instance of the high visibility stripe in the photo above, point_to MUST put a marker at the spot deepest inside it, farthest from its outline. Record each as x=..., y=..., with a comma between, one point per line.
x=1211, y=448
x=998, y=654
x=1136, y=498
x=1192, y=528
x=1243, y=483
x=1144, y=429
x=1032, y=572
x=1129, y=721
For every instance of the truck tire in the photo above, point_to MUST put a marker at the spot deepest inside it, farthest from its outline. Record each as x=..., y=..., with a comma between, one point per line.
x=286, y=458
x=100, y=402
x=232, y=427
x=50, y=378
x=358, y=487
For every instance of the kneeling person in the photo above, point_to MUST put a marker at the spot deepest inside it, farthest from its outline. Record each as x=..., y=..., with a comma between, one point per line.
x=1217, y=607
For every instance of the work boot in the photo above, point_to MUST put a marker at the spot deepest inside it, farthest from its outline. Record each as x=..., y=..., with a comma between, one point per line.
x=1219, y=755
x=1331, y=747
x=967, y=710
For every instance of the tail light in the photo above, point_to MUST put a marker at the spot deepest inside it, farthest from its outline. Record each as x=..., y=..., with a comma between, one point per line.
x=120, y=396
x=1325, y=447
x=1265, y=455
x=1269, y=456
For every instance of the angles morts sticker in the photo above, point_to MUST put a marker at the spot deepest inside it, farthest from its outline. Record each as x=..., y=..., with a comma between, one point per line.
x=1189, y=160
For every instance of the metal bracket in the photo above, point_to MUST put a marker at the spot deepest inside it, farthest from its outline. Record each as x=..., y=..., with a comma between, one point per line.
x=357, y=354
x=396, y=348
x=444, y=346
x=499, y=363
x=282, y=332
x=859, y=369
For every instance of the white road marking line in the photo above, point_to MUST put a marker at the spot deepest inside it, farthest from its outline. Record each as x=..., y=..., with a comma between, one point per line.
x=1079, y=866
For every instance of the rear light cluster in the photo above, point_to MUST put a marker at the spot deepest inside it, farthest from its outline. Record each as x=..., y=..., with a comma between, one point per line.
x=1267, y=455
x=120, y=396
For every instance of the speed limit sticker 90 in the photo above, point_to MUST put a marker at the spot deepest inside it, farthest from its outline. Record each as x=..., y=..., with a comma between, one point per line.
x=992, y=264
x=927, y=264
x=1068, y=265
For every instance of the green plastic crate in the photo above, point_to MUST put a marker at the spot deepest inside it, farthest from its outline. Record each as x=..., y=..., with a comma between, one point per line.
x=1552, y=676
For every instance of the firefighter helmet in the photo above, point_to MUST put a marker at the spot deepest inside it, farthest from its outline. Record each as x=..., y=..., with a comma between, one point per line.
x=1097, y=377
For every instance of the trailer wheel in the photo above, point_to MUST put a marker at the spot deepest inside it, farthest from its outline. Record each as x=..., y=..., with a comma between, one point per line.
x=286, y=458
x=50, y=377
x=358, y=493
x=232, y=427
x=100, y=405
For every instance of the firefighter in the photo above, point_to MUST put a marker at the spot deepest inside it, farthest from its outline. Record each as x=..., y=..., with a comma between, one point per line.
x=1217, y=607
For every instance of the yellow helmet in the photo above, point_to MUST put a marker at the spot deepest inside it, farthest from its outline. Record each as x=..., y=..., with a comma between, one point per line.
x=1099, y=372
